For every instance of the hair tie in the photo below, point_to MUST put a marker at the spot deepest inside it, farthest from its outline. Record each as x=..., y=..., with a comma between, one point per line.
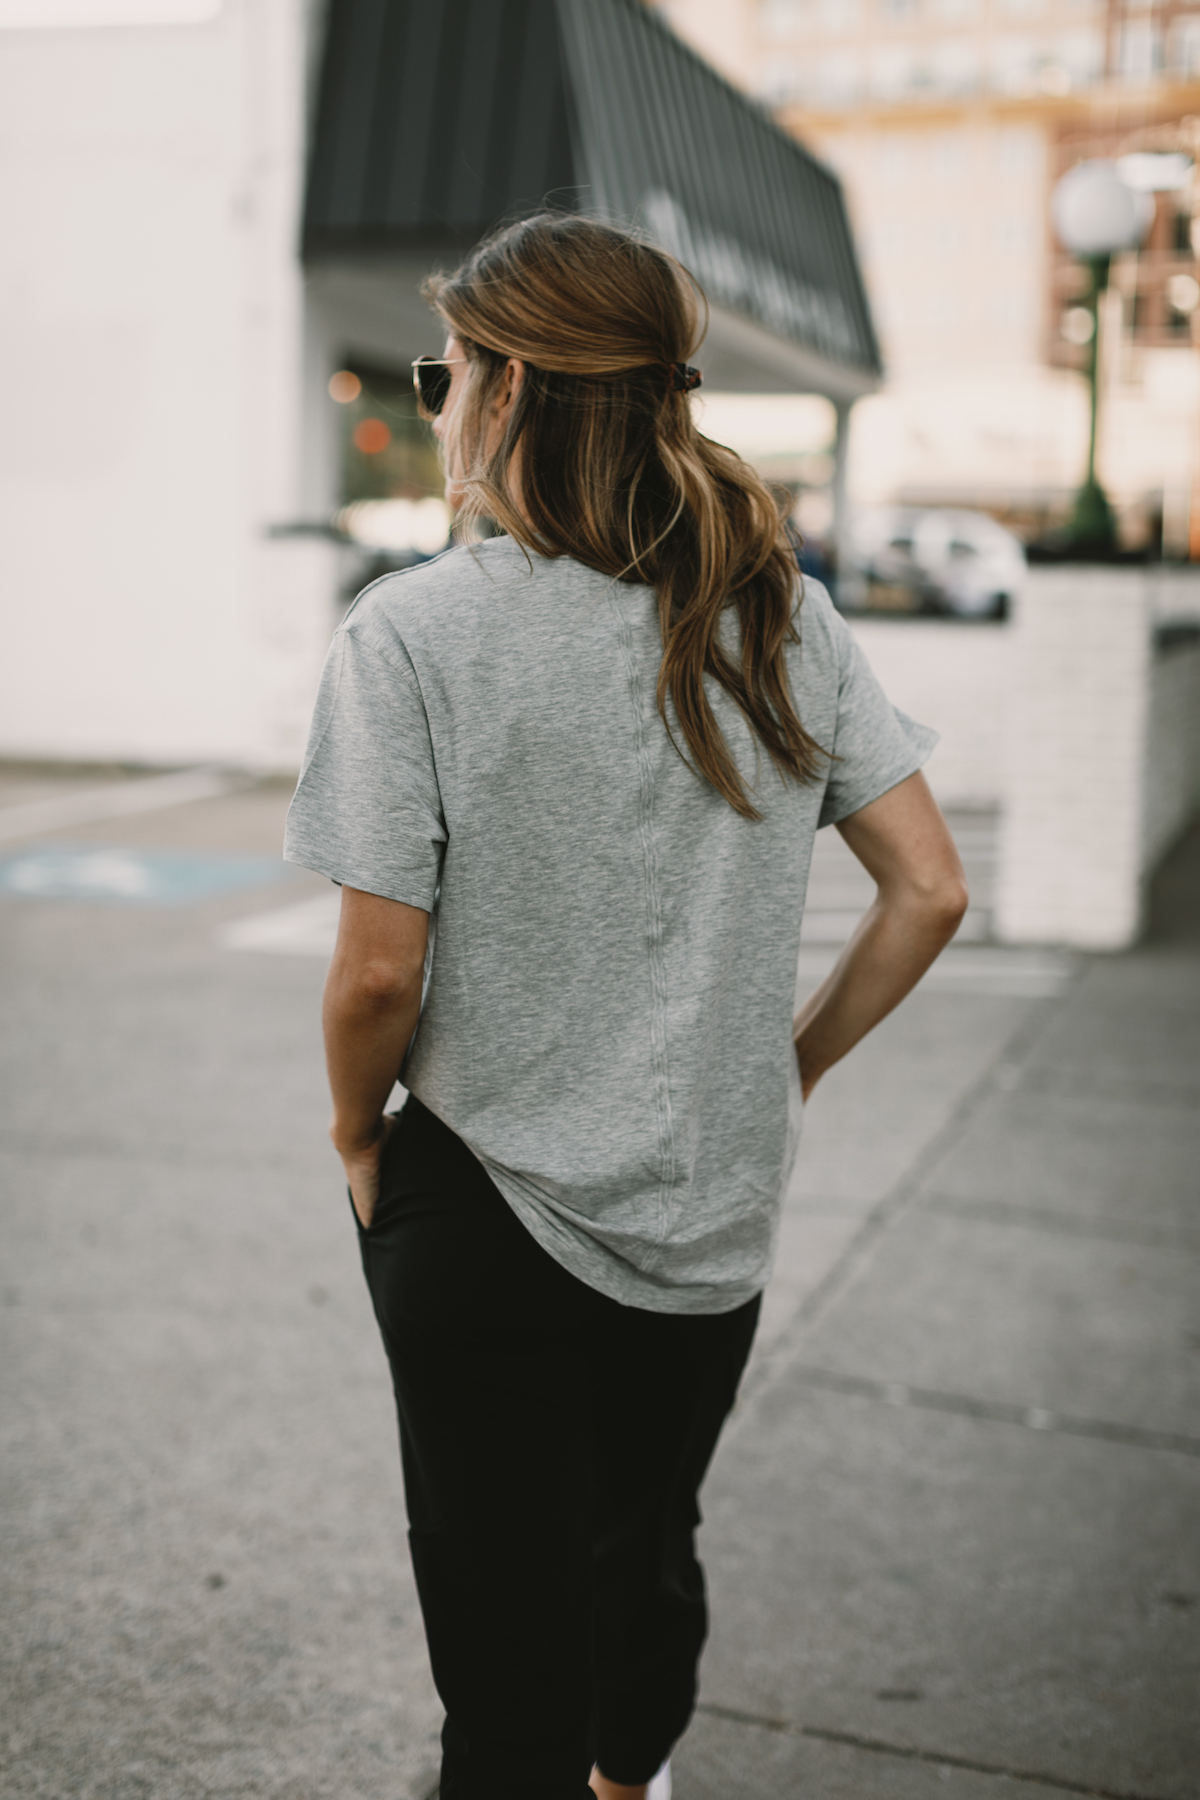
x=684, y=378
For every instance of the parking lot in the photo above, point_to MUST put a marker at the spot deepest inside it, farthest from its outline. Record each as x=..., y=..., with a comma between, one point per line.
x=952, y=1530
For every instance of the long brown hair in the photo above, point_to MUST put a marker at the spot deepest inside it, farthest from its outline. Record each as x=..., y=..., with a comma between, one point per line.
x=614, y=473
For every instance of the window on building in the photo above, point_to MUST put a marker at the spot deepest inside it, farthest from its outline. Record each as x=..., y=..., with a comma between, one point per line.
x=1140, y=52
x=1014, y=65
x=392, y=484
x=780, y=80
x=837, y=80
x=892, y=73
x=388, y=452
x=782, y=18
x=1183, y=52
x=955, y=67
x=1081, y=53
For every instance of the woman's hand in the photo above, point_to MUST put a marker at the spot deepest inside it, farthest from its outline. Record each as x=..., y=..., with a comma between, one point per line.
x=362, y=1165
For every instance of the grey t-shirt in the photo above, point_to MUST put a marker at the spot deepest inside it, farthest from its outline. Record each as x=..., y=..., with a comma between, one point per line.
x=607, y=1017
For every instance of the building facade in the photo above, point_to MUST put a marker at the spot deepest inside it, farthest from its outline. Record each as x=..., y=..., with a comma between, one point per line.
x=152, y=439
x=949, y=121
x=218, y=217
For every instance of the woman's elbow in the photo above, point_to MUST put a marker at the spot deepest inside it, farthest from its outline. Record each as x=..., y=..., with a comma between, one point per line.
x=947, y=902
x=937, y=899
x=379, y=985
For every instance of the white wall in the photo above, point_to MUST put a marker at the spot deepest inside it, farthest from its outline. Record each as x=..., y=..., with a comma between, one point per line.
x=1071, y=833
x=150, y=330
x=954, y=675
x=1069, y=722
x=1103, y=767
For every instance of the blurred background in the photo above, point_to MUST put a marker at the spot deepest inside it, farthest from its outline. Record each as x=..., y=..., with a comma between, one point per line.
x=950, y=248
x=949, y=124
x=220, y=215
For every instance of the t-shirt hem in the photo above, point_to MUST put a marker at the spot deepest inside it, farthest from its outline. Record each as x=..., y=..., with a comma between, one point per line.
x=414, y=894
x=627, y=1287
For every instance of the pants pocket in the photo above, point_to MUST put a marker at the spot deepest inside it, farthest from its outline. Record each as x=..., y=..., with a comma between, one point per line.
x=386, y=1161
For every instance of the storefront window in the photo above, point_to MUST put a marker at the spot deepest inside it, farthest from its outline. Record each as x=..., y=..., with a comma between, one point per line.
x=392, y=501
x=388, y=453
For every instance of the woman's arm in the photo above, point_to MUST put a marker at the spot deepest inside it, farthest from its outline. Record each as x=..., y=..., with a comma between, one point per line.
x=903, y=842
x=370, y=1011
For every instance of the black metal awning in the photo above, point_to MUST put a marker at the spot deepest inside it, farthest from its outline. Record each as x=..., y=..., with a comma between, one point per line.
x=438, y=118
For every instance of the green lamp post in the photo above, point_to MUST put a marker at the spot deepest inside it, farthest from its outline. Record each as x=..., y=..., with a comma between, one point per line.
x=1095, y=215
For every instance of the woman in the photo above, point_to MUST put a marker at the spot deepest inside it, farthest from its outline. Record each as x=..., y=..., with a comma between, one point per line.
x=592, y=752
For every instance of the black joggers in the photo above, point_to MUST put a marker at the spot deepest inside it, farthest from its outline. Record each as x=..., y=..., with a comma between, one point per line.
x=553, y=1444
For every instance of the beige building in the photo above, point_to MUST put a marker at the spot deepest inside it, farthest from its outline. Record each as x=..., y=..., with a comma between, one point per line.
x=949, y=121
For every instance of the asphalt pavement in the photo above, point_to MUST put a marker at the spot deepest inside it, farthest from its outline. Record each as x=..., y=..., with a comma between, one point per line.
x=953, y=1531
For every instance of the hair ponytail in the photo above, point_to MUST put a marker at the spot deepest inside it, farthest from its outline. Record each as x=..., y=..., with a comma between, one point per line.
x=614, y=473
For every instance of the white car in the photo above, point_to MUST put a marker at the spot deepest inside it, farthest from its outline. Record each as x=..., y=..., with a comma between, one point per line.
x=950, y=561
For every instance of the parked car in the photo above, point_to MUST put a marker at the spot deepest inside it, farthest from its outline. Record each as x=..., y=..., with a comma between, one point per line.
x=950, y=561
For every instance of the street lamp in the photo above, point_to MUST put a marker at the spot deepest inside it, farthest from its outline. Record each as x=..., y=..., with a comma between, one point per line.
x=1095, y=214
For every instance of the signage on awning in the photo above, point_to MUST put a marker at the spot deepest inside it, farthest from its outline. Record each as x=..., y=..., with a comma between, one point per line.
x=439, y=118
x=751, y=282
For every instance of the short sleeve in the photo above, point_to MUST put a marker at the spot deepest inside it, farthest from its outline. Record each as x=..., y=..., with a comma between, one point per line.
x=367, y=812
x=875, y=744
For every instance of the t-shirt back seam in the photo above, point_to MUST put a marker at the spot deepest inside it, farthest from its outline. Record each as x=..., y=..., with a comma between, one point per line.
x=654, y=937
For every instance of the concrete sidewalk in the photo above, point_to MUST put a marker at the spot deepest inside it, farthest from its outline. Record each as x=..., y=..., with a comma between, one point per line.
x=952, y=1532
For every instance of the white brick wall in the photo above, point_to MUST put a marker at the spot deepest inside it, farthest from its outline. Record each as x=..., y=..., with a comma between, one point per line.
x=1071, y=837
x=954, y=675
x=1068, y=720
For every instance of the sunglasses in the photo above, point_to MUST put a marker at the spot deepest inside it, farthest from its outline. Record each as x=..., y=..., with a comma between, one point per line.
x=431, y=379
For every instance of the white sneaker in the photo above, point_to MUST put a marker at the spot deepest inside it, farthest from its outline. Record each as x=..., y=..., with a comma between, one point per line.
x=660, y=1787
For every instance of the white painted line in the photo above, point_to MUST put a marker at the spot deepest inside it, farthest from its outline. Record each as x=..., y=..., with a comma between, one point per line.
x=306, y=928
x=115, y=800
